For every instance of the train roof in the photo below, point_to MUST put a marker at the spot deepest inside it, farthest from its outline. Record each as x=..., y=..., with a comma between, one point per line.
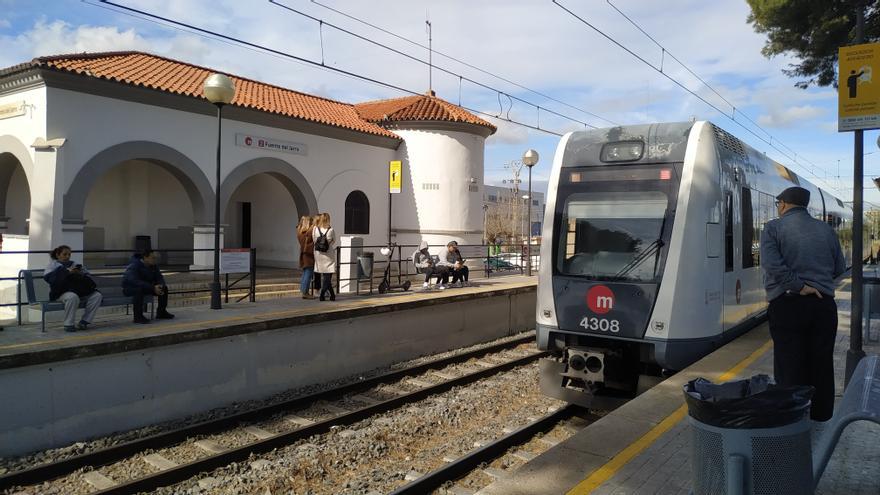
x=663, y=142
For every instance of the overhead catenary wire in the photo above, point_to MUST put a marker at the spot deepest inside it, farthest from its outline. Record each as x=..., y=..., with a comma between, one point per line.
x=430, y=65
x=260, y=48
x=734, y=111
x=462, y=62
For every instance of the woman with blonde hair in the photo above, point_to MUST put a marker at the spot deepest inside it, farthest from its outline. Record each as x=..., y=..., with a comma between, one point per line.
x=306, y=255
x=325, y=254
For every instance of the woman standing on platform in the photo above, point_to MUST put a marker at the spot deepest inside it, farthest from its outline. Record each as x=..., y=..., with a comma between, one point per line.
x=325, y=254
x=306, y=255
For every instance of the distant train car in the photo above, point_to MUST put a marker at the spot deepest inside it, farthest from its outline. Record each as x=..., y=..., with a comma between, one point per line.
x=650, y=254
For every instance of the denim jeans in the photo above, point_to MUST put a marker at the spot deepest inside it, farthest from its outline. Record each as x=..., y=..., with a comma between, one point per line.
x=306, y=279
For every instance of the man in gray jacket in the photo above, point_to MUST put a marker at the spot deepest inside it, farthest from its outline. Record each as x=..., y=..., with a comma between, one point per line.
x=801, y=257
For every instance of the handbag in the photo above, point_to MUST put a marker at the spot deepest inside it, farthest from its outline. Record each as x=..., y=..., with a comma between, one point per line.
x=81, y=285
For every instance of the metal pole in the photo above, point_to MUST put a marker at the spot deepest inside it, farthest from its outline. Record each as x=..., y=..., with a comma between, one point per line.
x=855, y=352
x=529, y=223
x=215, y=286
x=389, y=217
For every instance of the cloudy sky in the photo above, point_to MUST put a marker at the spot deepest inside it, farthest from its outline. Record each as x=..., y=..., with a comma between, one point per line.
x=566, y=67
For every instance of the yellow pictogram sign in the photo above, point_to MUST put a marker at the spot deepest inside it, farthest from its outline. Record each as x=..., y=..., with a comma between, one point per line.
x=858, y=95
x=395, y=176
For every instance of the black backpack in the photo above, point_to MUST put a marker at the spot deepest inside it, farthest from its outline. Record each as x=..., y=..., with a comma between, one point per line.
x=321, y=243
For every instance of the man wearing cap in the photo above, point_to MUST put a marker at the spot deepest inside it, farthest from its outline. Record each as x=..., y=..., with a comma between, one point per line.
x=801, y=257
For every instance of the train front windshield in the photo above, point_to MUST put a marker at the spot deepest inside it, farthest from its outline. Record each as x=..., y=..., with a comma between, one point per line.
x=613, y=222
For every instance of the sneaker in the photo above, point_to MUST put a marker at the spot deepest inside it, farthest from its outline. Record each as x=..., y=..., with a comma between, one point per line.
x=69, y=329
x=164, y=315
x=82, y=325
x=425, y=285
x=441, y=287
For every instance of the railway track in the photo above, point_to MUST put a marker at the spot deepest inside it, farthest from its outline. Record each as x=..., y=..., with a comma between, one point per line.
x=459, y=468
x=218, y=455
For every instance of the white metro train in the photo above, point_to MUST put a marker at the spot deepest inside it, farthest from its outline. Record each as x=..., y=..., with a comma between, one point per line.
x=650, y=253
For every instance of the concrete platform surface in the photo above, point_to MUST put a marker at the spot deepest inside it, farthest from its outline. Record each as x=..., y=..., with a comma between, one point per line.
x=644, y=446
x=26, y=345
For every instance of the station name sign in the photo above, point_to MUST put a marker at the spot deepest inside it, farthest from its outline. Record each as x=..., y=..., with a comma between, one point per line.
x=13, y=110
x=250, y=141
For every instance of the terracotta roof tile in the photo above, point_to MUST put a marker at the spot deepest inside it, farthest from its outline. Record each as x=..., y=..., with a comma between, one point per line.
x=172, y=76
x=427, y=108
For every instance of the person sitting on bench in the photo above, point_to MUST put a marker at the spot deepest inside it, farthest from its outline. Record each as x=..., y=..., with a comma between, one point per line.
x=455, y=263
x=141, y=278
x=68, y=283
x=423, y=261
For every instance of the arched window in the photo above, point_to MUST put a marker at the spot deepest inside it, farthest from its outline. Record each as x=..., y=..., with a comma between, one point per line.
x=357, y=213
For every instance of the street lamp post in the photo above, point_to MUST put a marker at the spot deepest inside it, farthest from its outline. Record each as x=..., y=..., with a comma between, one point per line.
x=530, y=159
x=219, y=90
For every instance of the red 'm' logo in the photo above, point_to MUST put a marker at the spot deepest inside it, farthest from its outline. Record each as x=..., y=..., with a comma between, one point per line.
x=248, y=141
x=600, y=299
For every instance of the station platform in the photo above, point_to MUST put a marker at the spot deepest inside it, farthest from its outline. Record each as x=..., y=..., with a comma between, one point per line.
x=643, y=447
x=57, y=388
x=26, y=345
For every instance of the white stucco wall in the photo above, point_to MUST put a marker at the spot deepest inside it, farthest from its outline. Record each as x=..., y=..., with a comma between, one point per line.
x=332, y=167
x=137, y=198
x=450, y=160
x=16, y=135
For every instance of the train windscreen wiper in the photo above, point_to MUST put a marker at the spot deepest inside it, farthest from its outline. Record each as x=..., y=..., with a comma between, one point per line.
x=646, y=253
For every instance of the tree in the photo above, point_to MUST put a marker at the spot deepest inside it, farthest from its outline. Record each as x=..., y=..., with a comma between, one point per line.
x=812, y=31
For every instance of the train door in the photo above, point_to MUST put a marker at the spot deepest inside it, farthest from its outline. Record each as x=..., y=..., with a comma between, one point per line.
x=731, y=221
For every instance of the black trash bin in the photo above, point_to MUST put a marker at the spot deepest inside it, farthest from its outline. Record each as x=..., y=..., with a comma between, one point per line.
x=749, y=436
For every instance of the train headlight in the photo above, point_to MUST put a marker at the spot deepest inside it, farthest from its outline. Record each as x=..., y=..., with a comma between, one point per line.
x=625, y=151
x=577, y=362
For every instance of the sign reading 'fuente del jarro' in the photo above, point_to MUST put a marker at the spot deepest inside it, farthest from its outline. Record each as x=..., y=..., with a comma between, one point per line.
x=249, y=141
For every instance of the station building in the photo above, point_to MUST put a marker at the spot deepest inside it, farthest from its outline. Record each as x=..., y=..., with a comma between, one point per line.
x=100, y=149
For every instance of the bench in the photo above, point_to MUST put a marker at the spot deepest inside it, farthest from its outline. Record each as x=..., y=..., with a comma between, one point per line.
x=861, y=401
x=37, y=292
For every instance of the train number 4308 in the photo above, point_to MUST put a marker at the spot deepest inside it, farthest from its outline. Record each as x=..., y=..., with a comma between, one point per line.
x=600, y=324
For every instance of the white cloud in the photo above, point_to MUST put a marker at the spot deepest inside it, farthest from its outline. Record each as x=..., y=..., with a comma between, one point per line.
x=788, y=117
x=507, y=133
x=5, y=24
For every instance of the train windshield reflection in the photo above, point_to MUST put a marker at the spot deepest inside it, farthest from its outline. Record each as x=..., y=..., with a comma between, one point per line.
x=612, y=235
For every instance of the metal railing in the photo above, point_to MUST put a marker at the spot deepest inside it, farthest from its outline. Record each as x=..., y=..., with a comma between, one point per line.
x=401, y=256
x=114, y=269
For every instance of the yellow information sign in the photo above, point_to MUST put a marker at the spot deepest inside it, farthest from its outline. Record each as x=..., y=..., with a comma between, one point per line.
x=395, y=176
x=858, y=96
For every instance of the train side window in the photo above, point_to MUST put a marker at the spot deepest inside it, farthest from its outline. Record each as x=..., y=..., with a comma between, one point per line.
x=728, y=232
x=749, y=243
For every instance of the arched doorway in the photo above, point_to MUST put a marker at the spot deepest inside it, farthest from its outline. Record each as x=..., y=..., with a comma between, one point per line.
x=135, y=195
x=15, y=195
x=264, y=199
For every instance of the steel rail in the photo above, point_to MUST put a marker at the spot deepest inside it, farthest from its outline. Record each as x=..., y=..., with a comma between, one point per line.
x=108, y=455
x=186, y=471
x=464, y=465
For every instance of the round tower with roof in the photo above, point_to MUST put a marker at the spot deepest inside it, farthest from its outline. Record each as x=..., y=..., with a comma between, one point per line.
x=441, y=196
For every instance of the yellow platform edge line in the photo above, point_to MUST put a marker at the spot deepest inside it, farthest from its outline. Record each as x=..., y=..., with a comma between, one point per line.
x=606, y=471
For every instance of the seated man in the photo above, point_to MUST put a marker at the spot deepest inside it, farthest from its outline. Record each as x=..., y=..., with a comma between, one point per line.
x=142, y=277
x=425, y=264
x=455, y=263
